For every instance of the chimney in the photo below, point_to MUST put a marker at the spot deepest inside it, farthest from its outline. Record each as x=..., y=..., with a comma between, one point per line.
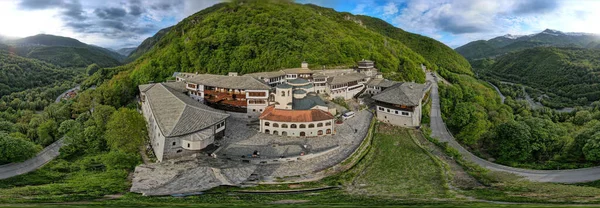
x=304, y=65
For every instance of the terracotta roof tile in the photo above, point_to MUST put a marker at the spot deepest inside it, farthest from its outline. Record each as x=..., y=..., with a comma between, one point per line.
x=282, y=115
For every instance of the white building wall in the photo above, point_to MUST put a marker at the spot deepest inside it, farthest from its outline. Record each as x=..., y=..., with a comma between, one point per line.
x=395, y=116
x=296, y=132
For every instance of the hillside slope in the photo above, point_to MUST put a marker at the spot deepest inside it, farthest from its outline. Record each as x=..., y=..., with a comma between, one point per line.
x=64, y=52
x=146, y=45
x=19, y=73
x=509, y=43
x=567, y=72
x=256, y=36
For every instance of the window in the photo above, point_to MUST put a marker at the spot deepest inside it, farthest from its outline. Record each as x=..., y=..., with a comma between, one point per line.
x=282, y=93
x=396, y=112
x=293, y=126
x=311, y=126
x=302, y=126
x=320, y=125
x=267, y=131
x=267, y=123
x=174, y=143
x=388, y=110
x=275, y=125
x=405, y=113
x=188, y=145
x=328, y=124
x=284, y=126
x=257, y=94
x=320, y=132
x=253, y=110
x=328, y=131
x=381, y=109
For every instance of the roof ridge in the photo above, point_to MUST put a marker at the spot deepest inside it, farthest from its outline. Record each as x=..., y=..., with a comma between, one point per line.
x=184, y=103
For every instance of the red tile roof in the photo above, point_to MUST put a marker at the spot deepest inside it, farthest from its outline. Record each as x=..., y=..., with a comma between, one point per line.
x=282, y=115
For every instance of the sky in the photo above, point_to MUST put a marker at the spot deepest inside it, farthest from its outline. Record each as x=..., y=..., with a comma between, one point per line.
x=126, y=23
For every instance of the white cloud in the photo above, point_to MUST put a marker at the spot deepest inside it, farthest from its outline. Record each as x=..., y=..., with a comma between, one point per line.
x=390, y=9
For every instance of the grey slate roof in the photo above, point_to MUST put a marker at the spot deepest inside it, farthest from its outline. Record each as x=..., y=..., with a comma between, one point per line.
x=381, y=82
x=347, y=77
x=298, y=71
x=409, y=94
x=298, y=81
x=176, y=113
x=179, y=86
x=308, y=86
x=284, y=86
x=299, y=91
x=311, y=100
x=267, y=75
x=230, y=82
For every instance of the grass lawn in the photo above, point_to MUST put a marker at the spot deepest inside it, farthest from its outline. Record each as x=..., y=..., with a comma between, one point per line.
x=398, y=167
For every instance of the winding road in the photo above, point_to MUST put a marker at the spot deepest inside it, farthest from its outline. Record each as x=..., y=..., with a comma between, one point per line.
x=43, y=157
x=440, y=131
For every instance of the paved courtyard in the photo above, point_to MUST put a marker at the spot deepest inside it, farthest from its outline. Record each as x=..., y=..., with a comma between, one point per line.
x=298, y=157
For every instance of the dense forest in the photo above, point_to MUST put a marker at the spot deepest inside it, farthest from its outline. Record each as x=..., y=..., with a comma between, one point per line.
x=20, y=73
x=63, y=51
x=515, y=134
x=566, y=76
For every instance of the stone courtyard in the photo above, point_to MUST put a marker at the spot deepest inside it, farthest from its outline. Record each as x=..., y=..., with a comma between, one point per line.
x=234, y=162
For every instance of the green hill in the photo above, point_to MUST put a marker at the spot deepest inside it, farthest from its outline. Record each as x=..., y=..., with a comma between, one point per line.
x=567, y=72
x=18, y=73
x=508, y=43
x=64, y=52
x=146, y=45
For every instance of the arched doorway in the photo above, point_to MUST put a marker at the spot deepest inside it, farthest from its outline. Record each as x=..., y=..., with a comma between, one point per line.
x=328, y=131
x=275, y=133
x=320, y=132
x=283, y=133
x=267, y=131
x=302, y=133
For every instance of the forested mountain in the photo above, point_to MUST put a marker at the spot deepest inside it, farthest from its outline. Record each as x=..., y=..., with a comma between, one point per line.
x=573, y=73
x=125, y=51
x=18, y=73
x=64, y=52
x=508, y=43
x=146, y=45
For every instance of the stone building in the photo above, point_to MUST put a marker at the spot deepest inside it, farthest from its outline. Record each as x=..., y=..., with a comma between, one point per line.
x=309, y=123
x=378, y=84
x=401, y=104
x=177, y=124
x=243, y=94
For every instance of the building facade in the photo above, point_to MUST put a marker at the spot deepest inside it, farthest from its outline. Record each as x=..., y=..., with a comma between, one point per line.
x=244, y=94
x=401, y=104
x=178, y=125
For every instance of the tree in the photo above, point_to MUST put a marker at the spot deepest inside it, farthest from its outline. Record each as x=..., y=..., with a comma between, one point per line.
x=101, y=115
x=92, y=68
x=591, y=149
x=582, y=117
x=126, y=131
x=47, y=132
x=117, y=160
x=512, y=143
x=15, y=149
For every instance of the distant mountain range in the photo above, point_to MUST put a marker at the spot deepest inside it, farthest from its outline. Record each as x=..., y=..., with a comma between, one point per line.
x=509, y=43
x=64, y=51
x=125, y=51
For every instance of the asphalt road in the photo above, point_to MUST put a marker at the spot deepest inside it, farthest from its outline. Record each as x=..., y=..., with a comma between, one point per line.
x=45, y=156
x=439, y=131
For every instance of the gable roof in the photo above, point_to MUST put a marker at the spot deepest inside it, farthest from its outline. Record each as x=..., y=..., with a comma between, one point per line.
x=176, y=113
x=262, y=75
x=298, y=71
x=381, y=82
x=281, y=115
x=409, y=94
x=346, y=77
x=230, y=82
